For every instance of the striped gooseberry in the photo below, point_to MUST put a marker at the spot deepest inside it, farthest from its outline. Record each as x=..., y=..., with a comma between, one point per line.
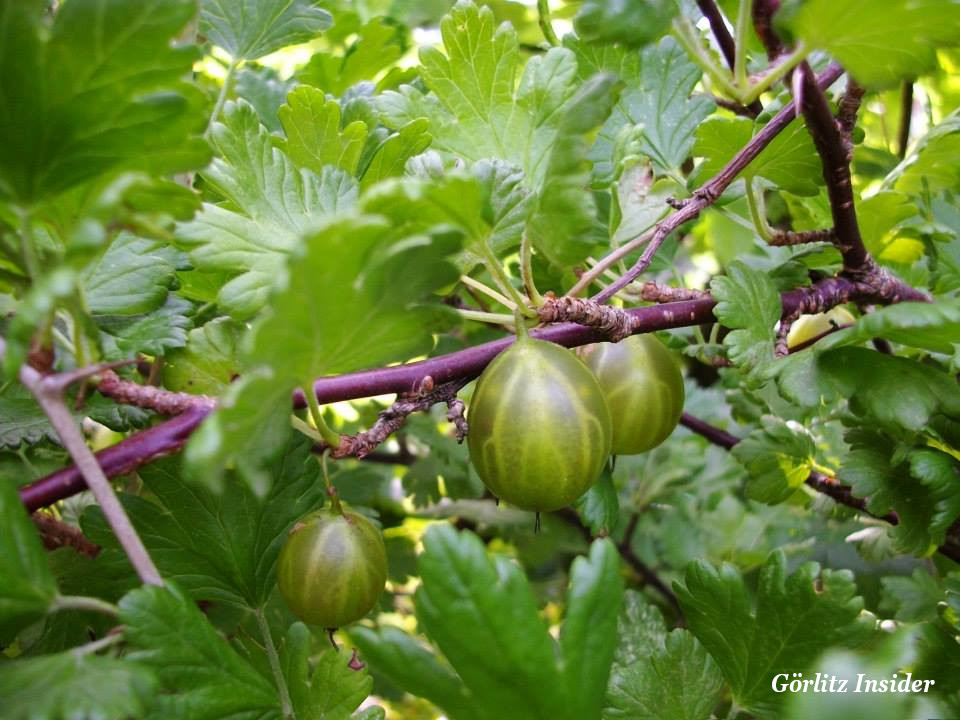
x=332, y=567
x=539, y=426
x=643, y=385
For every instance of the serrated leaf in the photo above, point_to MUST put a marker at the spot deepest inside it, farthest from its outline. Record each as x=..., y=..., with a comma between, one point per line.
x=678, y=681
x=263, y=88
x=390, y=156
x=132, y=277
x=913, y=598
x=103, y=106
x=748, y=302
x=27, y=587
x=209, y=361
x=752, y=644
x=940, y=472
x=416, y=669
x=153, y=333
x=641, y=630
x=314, y=136
x=895, y=392
x=200, y=676
x=871, y=472
x=220, y=547
x=588, y=635
x=86, y=687
x=477, y=110
x=324, y=688
x=790, y=162
x=599, y=507
x=932, y=326
x=879, y=43
x=778, y=457
x=378, y=45
x=269, y=205
x=250, y=29
x=661, y=105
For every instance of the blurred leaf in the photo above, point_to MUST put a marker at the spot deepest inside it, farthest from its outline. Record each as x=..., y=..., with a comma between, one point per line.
x=74, y=686
x=27, y=587
x=879, y=43
x=599, y=506
x=378, y=45
x=209, y=361
x=632, y=23
x=131, y=277
x=250, y=29
x=103, y=106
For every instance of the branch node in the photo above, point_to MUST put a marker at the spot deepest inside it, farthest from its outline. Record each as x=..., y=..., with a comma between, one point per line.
x=613, y=322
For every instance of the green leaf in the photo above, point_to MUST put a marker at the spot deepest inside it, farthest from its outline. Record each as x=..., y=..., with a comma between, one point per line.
x=263, y=88
x=589, y=632
x=879, y=44
x=74, y=686
x=778, y=457
x=200, y=675
x=222, y=547
x=130, y=278
x=564, y=217
x=930, y=165
x=632, y=23
x=269, y=204
x=246, y=432
x=751, y=645
x=113, y=95
x=390, y=156
x=872, y=471
x=324, y=688
x=748, y=302
x=641, y=631
x=599, y=507
x=153, y=333
x=878, y=215
x=342, y=307
x=940, y=472
x=678, y=681
x=933, y=326
x=660, y=105
x=250, y=29
x=314, y=136
x=209, y=361
x=481, y=613
x=790, y=162
x=412, y=667
x=912, y=598
x=895, y=392
x=27, y=586
x=478, y=110
x=377, y=47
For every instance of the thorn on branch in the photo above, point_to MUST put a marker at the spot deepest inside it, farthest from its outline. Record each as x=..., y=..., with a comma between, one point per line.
x=847, y=111
x=614, y=322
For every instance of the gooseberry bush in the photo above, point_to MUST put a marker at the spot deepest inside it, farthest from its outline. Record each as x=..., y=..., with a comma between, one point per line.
x=702, y=256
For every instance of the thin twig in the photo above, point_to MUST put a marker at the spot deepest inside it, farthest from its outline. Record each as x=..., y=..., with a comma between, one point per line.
x=788, y=237
x=57, y=534
x=48, y=390
x=718, y=26
x=906, y=117
x=711, y=191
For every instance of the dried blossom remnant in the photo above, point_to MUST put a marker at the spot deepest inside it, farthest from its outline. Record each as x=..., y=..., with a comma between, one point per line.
x=395, y=417
x=165, y=402
x=57, y=534
x=612, y=321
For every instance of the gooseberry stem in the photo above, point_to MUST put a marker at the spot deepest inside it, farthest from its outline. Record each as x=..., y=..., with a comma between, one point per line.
x=521, y=325
x=282, y=690
x=526, y=270
x=331, y=488
x=329, y=436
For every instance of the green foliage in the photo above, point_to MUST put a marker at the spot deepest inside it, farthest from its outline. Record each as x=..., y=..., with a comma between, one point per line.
x=470, y=605
x=777, y=457
x=250, y=29
x=752, y=641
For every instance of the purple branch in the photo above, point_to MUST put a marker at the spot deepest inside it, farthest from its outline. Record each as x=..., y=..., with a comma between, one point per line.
x=713, y=189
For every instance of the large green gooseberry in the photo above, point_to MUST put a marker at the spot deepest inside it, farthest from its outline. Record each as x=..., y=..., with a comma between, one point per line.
x=332, y=568
x=643, y=385
x=539, y=426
